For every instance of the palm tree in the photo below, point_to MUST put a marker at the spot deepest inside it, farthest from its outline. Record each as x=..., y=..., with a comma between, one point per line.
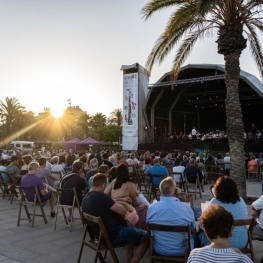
x=116, y=117
x=195, y=19
x=8, y=111
x=83, y=123
x=98, y=120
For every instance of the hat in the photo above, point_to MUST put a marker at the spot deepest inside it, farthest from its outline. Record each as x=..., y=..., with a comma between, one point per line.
x=14, y=158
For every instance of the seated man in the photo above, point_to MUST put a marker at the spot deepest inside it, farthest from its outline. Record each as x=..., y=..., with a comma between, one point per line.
x=97, y=203
x=218, y=225
x=257, y=211
x=157, y=169
x=170, y=211
x=31, y=179
x=191, y=174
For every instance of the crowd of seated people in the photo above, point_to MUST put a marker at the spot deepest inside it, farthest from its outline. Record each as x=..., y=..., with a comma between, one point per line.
x=90, y=172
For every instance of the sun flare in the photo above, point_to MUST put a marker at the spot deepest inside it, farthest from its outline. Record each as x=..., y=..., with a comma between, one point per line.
x=57, y=112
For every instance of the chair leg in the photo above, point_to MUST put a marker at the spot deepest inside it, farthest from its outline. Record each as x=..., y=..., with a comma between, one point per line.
x=19, y=214
x=33, y=215
x=82, y=245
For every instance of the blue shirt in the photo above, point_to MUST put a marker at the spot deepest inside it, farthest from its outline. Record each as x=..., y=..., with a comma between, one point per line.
x=239, y=234
x=158, y=170
x=170, y=211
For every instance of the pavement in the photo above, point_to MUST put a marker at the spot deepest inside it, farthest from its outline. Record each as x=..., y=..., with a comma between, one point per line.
x=24, y=244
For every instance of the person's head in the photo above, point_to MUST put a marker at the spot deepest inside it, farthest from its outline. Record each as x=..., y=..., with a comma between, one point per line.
x=83, y=158
x=33, y=167
x=217, y=222
x=99, y=181
x=177, y=162
x=14, y=159
x=167, y=186
x=55, y=159
x=112, y=159
x=147, y=161
x=27, y=159
x=77, y=167
x=123, y=176
x=112, y=173
x=93, y=163
x=4, y=162
x=192, y=161
x=105, y=156
x=42, y=161
x=226, y=190
x=156, y=161
x=219, y=156
x=104, y=168
x=227, y=154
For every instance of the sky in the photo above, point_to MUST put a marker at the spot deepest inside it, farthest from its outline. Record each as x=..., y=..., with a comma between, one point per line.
x=53, y=50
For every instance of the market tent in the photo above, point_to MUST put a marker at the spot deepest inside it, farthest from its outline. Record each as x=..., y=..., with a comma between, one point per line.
x=71, y=144
x=84, y=145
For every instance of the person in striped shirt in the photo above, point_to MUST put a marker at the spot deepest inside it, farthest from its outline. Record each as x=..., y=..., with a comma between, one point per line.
x=218, y=224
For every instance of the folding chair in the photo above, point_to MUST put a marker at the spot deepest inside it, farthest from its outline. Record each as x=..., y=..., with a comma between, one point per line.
x=209, y=173
x=195, y=185
x=24, y=202
x=178, y=178
x=143, y=184
x=154, y=190
x=250, y=171
x=4, y=185
x=75, y=203
x=15, y=180
x=247, y=222
x=132, y=172
x=179, y=229
x=100, y=245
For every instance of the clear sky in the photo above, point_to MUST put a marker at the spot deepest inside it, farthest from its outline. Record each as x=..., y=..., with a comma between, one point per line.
x=53, y=50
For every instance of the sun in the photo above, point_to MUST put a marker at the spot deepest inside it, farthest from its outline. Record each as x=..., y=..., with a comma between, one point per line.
x=57, y=112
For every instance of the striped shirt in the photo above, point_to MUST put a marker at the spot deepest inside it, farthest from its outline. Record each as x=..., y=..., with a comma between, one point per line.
x=209, y=254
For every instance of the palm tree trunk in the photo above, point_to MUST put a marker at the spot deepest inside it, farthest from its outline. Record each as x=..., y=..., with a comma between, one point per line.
x=234, y=121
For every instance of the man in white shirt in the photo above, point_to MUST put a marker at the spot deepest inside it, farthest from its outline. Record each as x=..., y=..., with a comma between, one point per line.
x=193, y=134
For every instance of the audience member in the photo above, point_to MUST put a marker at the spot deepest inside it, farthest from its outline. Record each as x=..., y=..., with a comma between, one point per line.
x=136, y=239
x=257, y=211
x=218, y=225
x=170, y=211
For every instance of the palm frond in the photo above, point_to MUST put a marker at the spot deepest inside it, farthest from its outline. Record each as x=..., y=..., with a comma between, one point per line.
x=255, y=48
x=156, y=5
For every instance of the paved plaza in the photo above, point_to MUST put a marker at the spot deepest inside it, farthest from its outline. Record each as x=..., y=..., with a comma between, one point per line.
x=42, y=243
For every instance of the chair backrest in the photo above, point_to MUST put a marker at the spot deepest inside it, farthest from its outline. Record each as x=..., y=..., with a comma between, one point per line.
x=156, y=179
x=177, y=176
x=192, y=179
x=71, y=192
x=165, y=228
x=247, y=222
x=25, y=191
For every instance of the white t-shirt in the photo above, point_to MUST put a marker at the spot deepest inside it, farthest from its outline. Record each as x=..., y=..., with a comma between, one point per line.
x=194, y=131
x=258, y=205
x=57, y=168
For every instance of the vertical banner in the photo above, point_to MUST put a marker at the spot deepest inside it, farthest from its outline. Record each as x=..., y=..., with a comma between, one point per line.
x=130, y=112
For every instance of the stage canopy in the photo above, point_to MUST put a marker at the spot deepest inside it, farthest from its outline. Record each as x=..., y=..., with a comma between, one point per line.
x=71, y=144
x=198, y=99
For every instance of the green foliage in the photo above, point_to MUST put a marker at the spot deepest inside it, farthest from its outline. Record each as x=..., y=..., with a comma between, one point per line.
x=109, y=133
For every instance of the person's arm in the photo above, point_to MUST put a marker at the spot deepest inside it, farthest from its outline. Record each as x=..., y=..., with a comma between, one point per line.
x=119, y=209
x=109, y=188
x=48, y=187
x=133, y=194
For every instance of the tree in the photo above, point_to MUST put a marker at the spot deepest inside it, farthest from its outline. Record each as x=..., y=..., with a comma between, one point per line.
x=98, y=120
x=116, y=117
x=8, y=111
x=196, y=19
x=110, y=133
x=83, y=123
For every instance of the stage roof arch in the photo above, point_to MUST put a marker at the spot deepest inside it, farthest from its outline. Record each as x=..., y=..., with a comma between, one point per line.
x=198, y=99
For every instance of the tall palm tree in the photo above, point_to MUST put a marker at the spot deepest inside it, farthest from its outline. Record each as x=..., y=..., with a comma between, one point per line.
x=98, y=120
x=8, y=111
x=116, y=117
x=195, y=19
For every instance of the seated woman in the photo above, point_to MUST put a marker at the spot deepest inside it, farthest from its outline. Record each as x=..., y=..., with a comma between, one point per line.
x=121, y=189
x=218, y=226
x=226, y=195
